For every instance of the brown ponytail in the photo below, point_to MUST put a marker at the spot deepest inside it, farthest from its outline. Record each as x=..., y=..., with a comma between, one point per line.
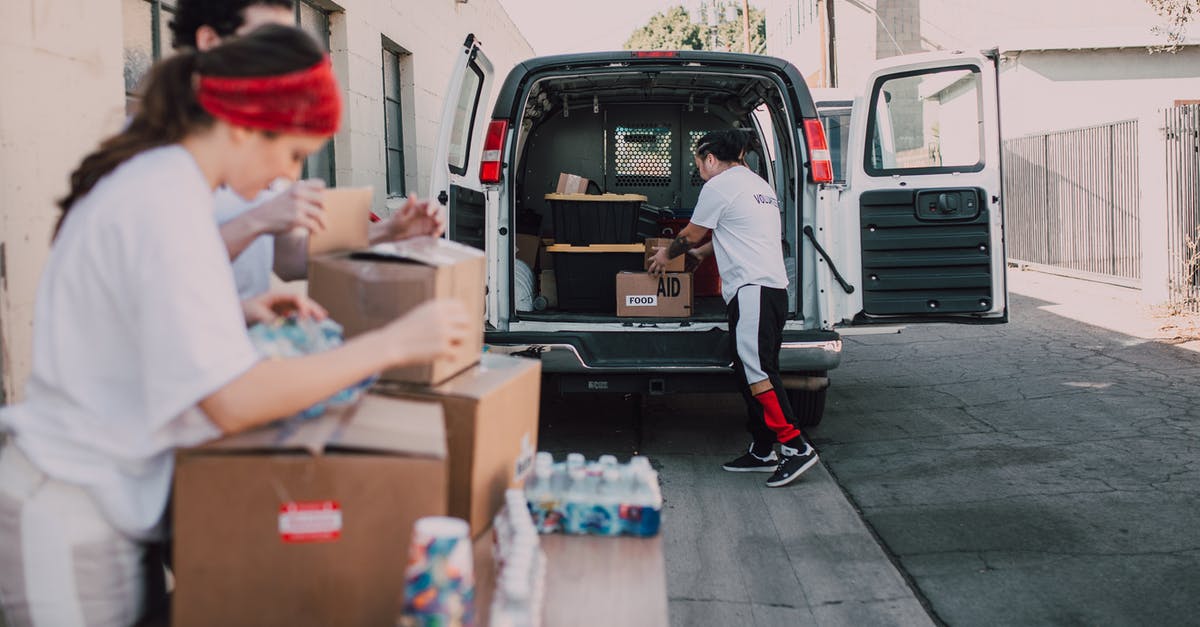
x=169, y=111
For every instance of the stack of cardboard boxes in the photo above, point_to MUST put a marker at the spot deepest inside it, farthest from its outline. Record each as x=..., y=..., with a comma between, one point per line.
x=310, y=522
x=640, y=295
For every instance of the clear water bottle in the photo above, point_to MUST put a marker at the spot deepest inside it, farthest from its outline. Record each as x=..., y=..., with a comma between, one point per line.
x=606, y=510
x=577, y=500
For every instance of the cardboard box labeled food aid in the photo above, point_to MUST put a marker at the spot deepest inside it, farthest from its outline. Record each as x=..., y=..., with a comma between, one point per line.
x=368, y=289
x=571, y=184
x=308, y=522
x=652, y=246
x=491, y=431
x=640, y=295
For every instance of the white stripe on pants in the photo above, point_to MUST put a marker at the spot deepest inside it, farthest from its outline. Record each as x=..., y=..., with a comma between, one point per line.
x=61, y=562
x=749, y=299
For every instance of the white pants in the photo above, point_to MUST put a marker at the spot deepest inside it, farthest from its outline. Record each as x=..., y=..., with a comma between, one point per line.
x=61, y=562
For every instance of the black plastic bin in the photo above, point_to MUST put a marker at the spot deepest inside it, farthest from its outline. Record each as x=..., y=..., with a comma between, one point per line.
x=583, y=219
x=586, y=276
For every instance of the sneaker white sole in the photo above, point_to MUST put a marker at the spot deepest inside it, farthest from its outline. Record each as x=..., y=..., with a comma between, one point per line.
x=766, y=469
x=796, y=475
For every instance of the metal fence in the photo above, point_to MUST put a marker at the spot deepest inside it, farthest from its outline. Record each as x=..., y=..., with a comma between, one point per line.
x=1071, y=202
x=1181, y=134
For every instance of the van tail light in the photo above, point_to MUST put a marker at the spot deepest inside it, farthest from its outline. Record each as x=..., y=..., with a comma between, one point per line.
x=493, y=149
x=820, y=165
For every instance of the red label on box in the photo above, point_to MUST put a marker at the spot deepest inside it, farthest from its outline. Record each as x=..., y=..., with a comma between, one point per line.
x=310, y=521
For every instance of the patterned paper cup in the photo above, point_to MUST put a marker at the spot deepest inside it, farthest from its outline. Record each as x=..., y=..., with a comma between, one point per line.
x=439, y=583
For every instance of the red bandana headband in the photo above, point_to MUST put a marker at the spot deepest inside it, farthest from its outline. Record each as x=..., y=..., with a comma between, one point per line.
x=306, y=101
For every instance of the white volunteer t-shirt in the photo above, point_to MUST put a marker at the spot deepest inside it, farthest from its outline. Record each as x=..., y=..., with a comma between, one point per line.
x=743, y=213
x=251, y=269
x=135, y=322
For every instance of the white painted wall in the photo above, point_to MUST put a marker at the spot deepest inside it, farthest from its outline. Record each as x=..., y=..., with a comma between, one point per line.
x=1052, y=90
x=61, y=66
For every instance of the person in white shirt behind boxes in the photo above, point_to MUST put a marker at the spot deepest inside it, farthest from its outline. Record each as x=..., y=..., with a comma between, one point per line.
x=270, y=231
x=140, y=345
x=742, y=212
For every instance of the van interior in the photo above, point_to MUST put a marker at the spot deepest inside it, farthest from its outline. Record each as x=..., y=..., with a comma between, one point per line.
x=635, y=133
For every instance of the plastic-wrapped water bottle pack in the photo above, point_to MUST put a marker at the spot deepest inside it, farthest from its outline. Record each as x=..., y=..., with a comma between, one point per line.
x=520, y=566
x=598, y=498
x=296, y=337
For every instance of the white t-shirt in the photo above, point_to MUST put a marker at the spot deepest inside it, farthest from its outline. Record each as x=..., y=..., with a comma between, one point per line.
x=743, y=213
x=251, y=269
x=135, y=322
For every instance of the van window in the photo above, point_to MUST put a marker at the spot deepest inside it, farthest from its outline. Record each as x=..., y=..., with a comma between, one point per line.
x=837, y=135
x=926, y=123
x=464, y=119
x=643, y=156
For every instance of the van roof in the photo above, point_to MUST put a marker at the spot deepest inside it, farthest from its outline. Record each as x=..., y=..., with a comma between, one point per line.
x=506, y=104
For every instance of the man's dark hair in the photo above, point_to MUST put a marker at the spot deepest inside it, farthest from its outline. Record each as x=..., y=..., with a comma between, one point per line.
x=223, y=16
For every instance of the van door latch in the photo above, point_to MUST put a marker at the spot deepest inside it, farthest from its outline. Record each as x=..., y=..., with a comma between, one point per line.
x=808, y=232
x=443, y=198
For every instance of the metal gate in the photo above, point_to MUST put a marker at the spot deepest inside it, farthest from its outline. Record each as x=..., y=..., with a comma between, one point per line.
x=1071, y=202
x=1181, y=132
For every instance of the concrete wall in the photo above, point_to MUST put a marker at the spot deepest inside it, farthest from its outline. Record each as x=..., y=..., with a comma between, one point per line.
x=62, y=70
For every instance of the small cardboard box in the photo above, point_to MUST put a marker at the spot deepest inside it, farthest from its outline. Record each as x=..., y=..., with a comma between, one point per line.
x=491, y=431
x=347, y=221
x=368, y=289
x=640, y=295
x=652, y=246
x=308, y=522
x=571, y=184
x=528, y=247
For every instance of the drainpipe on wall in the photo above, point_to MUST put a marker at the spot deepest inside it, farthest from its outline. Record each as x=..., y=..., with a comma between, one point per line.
x=831, y=63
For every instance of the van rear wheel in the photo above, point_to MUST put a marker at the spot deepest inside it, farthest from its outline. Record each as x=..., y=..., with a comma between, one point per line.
x=808, y=404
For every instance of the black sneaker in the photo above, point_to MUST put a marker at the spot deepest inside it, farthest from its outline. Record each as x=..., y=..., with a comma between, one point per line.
x=795, y=463
x=749, y=462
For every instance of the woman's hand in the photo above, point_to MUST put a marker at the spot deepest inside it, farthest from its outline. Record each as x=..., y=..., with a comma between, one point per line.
x=430, y=332
x=268, y=307
x=300, y=206
x=415, y=219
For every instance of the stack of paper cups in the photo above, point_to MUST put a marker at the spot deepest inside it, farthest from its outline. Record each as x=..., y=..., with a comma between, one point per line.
x=439, y=584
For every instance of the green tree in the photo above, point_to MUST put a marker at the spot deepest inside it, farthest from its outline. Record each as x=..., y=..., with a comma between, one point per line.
x=1178, y=14
x=718, y=26
x=672, y=29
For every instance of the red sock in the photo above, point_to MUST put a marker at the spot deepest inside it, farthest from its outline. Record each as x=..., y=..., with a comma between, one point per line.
x=773, y=414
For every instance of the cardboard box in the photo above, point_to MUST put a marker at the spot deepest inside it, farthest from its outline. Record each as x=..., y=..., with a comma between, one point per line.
x=640, y=295
x=571, y=184
x=347, y=221
x=309, y=522
x=528, y=247
x=483, y=560
x=652, y=245
x=491, y=431
x=544, y=256
x=367, y=290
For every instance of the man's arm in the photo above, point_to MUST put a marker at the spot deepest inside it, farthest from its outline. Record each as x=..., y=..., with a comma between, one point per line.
x=689, y=238
x=291, y=255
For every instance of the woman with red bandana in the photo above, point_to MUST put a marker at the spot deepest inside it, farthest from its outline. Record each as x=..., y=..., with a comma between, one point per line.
x=140, y=344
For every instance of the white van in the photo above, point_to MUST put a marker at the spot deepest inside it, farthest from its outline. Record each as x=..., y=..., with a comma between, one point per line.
x=909, y=228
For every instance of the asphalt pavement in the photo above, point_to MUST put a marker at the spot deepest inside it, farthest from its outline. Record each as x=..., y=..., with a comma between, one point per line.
x=1042, y=472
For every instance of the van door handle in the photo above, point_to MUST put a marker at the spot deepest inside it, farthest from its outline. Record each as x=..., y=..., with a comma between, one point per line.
x=443, y=198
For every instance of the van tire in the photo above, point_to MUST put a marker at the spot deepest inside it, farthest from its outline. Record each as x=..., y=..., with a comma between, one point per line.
x=808, y=406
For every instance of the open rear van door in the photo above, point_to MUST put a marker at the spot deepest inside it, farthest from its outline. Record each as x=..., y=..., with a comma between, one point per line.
x=454, y=183
x=921, y=213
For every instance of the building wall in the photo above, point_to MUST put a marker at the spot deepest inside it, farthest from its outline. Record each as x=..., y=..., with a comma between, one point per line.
x=60, y=64
x=1052, y=90
x=62, y=67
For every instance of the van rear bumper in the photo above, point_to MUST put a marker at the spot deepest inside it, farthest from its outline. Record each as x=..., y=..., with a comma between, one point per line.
x=678, y=353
